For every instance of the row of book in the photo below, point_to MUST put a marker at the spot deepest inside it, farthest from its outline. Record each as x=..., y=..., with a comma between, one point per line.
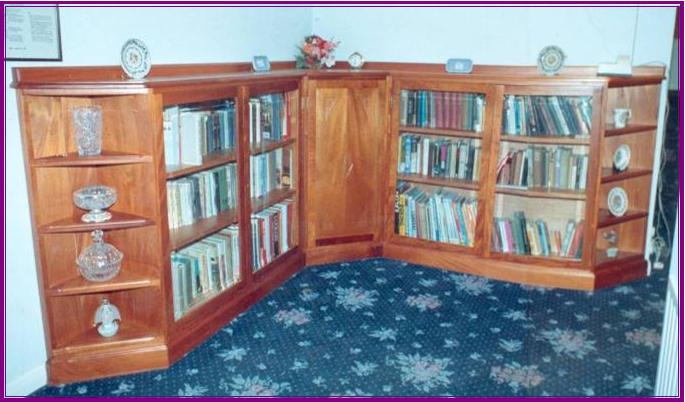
x=270, y=171
x=440, y=216
x=542, y=167
x=271, y=233
x=193, y=131
x=205, y=268
x=445, y=158
x=269, y=118
x=442, y=110
x=523, y=236
x=201, y=195
x=547, y=115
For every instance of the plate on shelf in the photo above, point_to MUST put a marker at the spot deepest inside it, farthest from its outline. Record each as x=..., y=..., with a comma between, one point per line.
x=135, y=58
x=551, y=60
x=617, y=201
x=622, y=158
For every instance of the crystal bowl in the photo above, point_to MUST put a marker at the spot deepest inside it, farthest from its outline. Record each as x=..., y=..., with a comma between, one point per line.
x=95, y=199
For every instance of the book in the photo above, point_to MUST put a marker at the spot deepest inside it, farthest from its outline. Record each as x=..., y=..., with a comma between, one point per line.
x=442, y=110
x=521, y=235
x=567, y=116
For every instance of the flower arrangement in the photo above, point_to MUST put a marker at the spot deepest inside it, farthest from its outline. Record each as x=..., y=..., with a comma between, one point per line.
x=316, y=52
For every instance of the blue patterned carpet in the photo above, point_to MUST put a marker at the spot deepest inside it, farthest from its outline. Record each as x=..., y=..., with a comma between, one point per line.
x=381, y=327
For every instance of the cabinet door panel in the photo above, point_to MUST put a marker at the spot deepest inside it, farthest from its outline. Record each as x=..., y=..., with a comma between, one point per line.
x=349, y=129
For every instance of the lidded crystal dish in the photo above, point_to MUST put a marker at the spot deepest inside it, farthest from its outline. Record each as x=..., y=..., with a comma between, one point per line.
x=100, y=261
x=95, y=199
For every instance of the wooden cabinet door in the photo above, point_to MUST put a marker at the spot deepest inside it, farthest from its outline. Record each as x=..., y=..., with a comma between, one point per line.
x=346, y=148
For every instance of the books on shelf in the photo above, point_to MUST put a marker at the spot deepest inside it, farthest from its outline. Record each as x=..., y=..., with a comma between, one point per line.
x=201, y=195
x=271, y=233
x=567, y=116
x=205, y=268
x=270, y=171
x=543, y=167
x=444, y=158
x=442, y=216
x=523, y=236
x=442, y=110
x=269, y=118
x=193, y=131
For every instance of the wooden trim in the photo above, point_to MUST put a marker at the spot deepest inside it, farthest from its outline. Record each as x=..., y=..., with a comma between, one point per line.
x=106, y=158
x=74, y=224
x=344, y=240
x=610, y=131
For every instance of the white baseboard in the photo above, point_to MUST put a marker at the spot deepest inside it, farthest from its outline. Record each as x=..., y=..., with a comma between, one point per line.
x=27, y=382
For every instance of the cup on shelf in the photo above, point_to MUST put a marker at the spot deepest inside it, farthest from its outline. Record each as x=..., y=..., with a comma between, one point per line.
x=621, y=117
x=87, y=129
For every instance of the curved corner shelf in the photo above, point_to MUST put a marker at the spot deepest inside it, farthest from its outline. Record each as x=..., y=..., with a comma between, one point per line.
x=132, y=276
x=606, y=219
x=120, y=220
x=106, y=158
x=611, y=131
x=609, y=176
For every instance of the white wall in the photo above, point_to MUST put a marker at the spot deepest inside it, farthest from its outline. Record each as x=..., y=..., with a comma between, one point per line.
x=93, y=36
x=498, y=35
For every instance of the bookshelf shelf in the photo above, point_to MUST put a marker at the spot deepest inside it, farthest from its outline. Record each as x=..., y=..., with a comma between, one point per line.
x=209, y=161
x=610, y=176
x=130, y=277
x=528, y=259
x=441, y=132
x=552, y=193
x=120, y=220
x=185, y=235
x=606, y=219
x=541, y=140
x=610, y=131
x=268, y=146
x=272, y=198
x=436, y=181
x=129, y=334
x=106, y=158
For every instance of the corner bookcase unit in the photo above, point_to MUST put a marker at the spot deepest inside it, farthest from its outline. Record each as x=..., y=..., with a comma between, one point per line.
x=229, y=180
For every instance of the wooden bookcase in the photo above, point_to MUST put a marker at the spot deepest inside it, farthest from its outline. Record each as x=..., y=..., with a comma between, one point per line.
x=338, y=169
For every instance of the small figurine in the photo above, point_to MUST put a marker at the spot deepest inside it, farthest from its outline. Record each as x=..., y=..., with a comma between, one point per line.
x=107, y=319
x=612, y=238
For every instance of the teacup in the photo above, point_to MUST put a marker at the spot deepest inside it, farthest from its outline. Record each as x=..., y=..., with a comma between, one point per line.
x=621, y=117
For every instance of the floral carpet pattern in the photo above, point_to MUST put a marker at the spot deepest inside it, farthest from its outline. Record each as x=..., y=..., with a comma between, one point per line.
x=382, y=327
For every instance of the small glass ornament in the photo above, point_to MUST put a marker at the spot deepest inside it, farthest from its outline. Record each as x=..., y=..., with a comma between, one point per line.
x=87, y=129
x=95, y=199
x=612, y=238
x=107, y=318
x=100, y=261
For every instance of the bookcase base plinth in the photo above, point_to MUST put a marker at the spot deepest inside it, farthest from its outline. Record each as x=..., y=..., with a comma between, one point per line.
x=526, y=274
x=98, y=363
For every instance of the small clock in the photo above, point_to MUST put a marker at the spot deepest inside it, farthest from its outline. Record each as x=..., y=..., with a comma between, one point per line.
x=356, y=61
x=551, y=60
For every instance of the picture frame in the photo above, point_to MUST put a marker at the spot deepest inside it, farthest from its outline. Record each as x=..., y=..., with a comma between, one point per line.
x=261, y=63
x=21, y=41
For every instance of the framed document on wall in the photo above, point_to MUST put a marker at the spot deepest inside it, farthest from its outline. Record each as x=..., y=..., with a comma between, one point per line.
x=32, y=34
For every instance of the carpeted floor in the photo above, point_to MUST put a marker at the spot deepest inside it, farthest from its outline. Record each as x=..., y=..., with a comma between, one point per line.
x=381, y=327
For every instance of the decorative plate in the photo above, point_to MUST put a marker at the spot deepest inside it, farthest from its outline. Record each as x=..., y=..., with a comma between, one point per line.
x=551, y=60
x=356, y=60
x=618, y=201
x=622, y=158
x=135, y=58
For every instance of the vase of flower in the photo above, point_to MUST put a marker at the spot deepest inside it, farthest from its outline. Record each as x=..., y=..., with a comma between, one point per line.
x=316, y=53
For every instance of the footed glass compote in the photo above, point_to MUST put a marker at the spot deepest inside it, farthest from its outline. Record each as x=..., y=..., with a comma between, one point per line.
x=95, y=199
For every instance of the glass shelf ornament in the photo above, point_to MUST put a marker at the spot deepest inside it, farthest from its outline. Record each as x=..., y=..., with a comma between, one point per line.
x=100, y=261
x=95, y=199
x=107, y=319
x=87, y=129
